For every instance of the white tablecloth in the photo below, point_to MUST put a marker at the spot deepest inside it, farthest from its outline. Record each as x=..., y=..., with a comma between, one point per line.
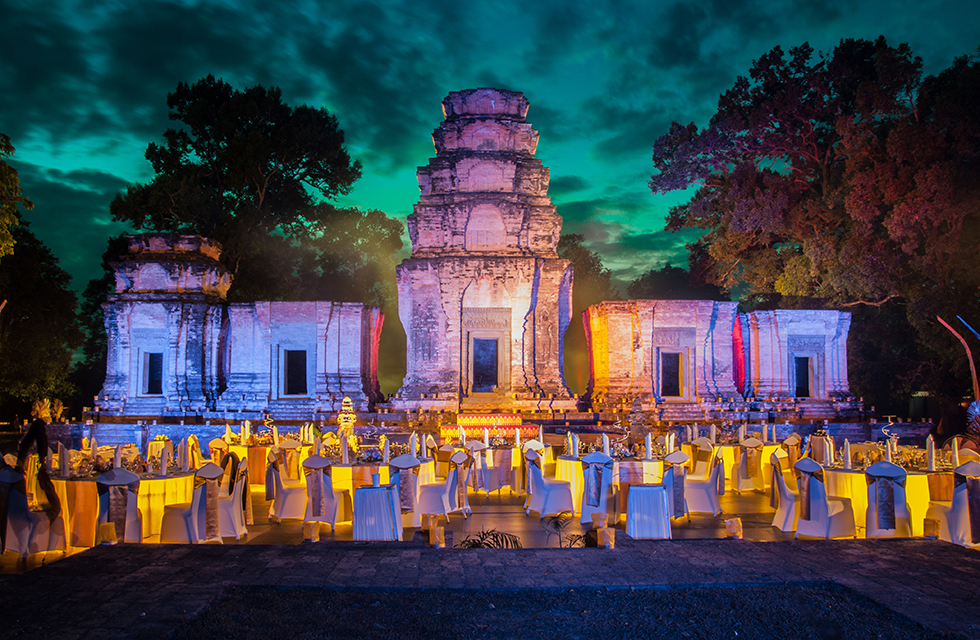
x=377, y=513
x=646, y=515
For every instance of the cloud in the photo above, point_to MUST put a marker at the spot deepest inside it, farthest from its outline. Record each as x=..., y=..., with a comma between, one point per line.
x=564, y=185
x=71, y=215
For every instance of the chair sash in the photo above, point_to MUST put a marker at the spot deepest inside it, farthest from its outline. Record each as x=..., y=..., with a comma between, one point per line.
x=702, y=455
x=593, y=472
x=407, y=488
x=502, y=463
x=119, y=497
x=272, y=464
x=231, y=457
x=884, y=499
x=315, y=490
x=47, y=497
x=972, y=503
x=777, y=472
x=792, y=455
x=211, y=489
x=805, y=479
x=678, y=483
x=480, y=464
x=462, y=475
x=752, y=455
x=720, y=465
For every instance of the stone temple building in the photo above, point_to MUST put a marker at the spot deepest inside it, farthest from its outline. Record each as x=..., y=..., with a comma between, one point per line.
x=701, y=359
x=485, y=302
x=177, y=348
x=484, y=298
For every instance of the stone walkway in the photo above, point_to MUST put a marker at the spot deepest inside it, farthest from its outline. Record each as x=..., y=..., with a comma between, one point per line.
x=147, y=591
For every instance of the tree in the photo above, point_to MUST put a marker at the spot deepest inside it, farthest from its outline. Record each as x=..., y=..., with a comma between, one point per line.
x=592, y=284
x=840, y=180
x=260, y=177
x=10, y=197
x=671, y=283
x=38, y=328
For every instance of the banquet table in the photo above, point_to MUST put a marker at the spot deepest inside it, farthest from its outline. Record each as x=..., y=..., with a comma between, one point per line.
x=851, y=483
x=353, y=476
x=625, y=473
x=647, y=514
x=728, y=455
x=258, y=459
x=501, y=470
x=377, y=513
x=79, y=499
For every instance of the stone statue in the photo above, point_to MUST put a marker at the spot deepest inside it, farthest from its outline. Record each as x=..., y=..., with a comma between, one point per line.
x=346, y=418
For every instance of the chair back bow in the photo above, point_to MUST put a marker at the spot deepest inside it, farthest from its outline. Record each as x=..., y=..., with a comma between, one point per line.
x=969, y=474
x=209, y=475
x=594, y=466
x=407, y=467
x=230, y=458
x=751, y=449
x=317, y=470
x=884, y=476
x=121, y=486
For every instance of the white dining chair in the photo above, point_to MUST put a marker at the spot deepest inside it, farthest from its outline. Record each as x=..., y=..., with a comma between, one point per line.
x=435, y=498
x=702, y=495
x=954, y=517
x=187, y=522
x=821, y=516
x=785, y=497
x=323, y=502
x=888, y=512
x=27, y=531
x=598, y=495
x=118, y=503
x=547, y=496
x=748, y=470
x=675, y=480
x=231, y=508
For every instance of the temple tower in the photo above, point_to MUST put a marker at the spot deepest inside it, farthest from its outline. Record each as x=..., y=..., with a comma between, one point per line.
x=485, y=299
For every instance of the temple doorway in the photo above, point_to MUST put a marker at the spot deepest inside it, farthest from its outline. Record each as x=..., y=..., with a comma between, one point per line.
x=485, y=365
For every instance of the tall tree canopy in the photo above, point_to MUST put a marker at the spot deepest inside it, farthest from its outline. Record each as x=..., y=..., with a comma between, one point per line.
x=38, y=328
x=841, y=179
x=672, y=283
x=592, y=284
x=10, y=197
x=259, y=176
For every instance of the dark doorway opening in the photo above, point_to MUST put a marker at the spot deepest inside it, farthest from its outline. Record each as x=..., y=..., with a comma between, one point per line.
x=802, y=377
x=295, y=373
x=670, y=374
x=484, y=365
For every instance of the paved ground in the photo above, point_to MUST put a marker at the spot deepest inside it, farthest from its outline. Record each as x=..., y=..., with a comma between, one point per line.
x=148, y=590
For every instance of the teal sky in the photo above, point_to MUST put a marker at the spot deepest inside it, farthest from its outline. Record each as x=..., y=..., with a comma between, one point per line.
x=84, y=88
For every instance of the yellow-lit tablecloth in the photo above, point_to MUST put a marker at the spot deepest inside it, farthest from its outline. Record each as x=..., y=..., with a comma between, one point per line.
x=258, y=456
x=352, y=476
x=851, y=483
x=728, y=455
x=80, y=504
x=625, y=472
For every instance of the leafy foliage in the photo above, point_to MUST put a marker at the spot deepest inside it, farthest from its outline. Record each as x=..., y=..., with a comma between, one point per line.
x=672, y=283
x=490, y=539
x=38, y=327
x=840, y=180
x=10, y=197
x=593, y=283
x=260, y=176
x=557, y=525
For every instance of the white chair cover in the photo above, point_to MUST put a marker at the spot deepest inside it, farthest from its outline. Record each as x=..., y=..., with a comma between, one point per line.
x=702, y=495
x=22, y=530
x=323, y=502
x=597, y=493
x=546, y=496
x=783, y=496
x=820, y=516
x=748, y=466
x=959, y=520
x=888, y=512
x=118, y=497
